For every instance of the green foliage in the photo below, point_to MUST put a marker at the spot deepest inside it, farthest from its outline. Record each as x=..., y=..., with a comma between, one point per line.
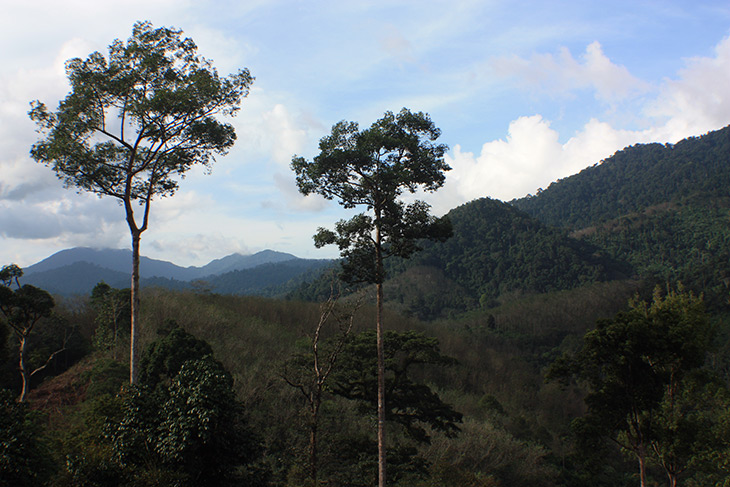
x=408, y=403
x=113, y=319
x=641, y=369
x=683, y=241
x=10, y=273
x=134, y=123
x=167, y=97
x=22, y=309
x=484, y=456
x=164, y=358
x=190, y=426
x=497, y=249
x=373, y=168
x=24, y=460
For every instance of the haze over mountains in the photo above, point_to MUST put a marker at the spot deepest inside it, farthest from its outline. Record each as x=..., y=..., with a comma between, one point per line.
x=77, y=270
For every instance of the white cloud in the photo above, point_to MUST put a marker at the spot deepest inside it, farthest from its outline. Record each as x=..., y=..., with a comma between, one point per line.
x=699, y=99
x=530, y=157
x=562, y=74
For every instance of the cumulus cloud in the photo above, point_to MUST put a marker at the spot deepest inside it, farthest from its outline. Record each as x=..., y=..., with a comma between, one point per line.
x=532, y=155
x=699, y=99
x=564, y=73
x=529, y=158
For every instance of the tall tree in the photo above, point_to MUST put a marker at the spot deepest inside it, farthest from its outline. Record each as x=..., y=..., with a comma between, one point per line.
x=134, y=122
x=411, y=404
x=372, y=169
x=635, y=366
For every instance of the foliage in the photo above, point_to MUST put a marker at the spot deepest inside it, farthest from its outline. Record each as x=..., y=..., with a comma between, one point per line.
x=192, y=426
x=683, y=241
x=372, y=169
x=113, y=318
x=164, y=358
x=635, y=178
x=165, y=97
x=23, y=308
x=638, y=367
x=409, y=403
x=497, y=249
x=135, y=122
x=24, y=460
x=484, y=455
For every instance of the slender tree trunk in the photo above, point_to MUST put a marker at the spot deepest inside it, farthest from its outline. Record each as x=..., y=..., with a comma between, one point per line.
x=642, y=469
x=23, y=372
x=381, y=389
x=381, y=357
x=134, y=332
x=673, y=481
x=313, y=441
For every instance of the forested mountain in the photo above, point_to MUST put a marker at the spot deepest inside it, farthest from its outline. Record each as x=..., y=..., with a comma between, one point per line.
x=664, y=209
x=635, y=178
x=495, y=250
x=511, y=299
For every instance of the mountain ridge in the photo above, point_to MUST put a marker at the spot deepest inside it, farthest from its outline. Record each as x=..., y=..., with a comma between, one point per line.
x=120, y=260
x=77, y=270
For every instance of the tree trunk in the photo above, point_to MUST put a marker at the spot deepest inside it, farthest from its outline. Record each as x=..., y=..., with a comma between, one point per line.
x=313, y=442
x=673, y=480
x=23, y=372
x=134, y=331
x=381, y=389
x=381, y=356
x=642, y=469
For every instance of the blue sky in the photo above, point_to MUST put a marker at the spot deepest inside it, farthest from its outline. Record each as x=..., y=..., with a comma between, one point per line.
x=525, y=93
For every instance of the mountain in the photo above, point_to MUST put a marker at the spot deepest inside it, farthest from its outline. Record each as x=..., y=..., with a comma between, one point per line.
x=653, y=213
x=496, y=250
x=120, y=260
x=236, y=262
x=634, y=179
x=78, y=270
x=664, y=209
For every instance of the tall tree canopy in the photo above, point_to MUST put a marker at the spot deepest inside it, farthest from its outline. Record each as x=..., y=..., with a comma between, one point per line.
x=640, y=367
x=372, y=169
x=136, y=121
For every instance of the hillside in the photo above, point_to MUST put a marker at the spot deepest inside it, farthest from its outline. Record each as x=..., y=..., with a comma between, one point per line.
x=496, y=250
x=506, y=297
x=120, y=260
x=663, y=209
x=633, y=179
x=655, y=212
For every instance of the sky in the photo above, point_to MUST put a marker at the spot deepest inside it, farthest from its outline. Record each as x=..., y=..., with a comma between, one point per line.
x=525, y=93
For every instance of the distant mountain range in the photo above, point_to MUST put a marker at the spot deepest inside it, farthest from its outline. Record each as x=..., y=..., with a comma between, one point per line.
x=78, y=270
